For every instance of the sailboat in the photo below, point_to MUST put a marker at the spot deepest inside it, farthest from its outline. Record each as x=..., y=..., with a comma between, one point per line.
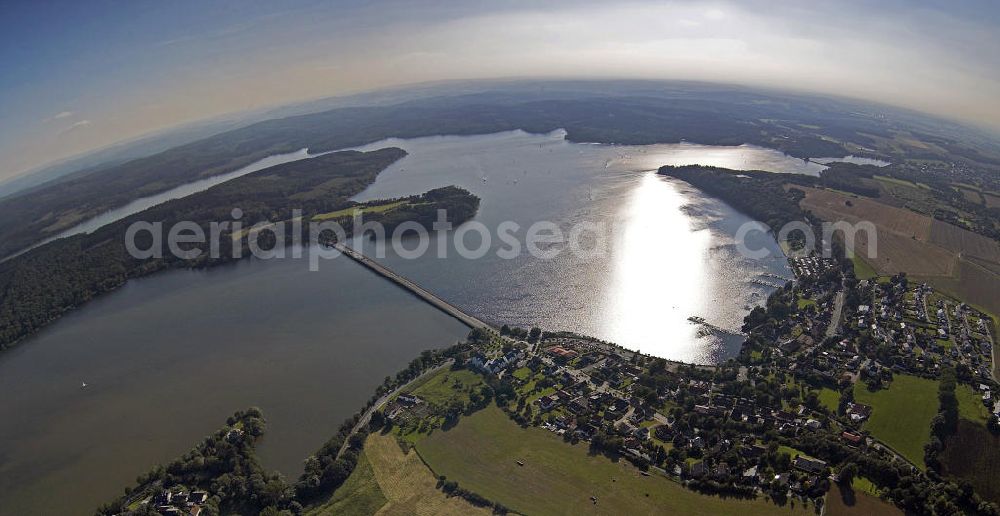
x=83, y=385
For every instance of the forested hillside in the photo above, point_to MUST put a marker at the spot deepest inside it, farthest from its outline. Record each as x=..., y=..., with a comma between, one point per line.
x=41, y=285
x=638, y=113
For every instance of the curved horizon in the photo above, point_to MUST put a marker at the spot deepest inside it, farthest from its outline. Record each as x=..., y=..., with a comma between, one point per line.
x=83, y=78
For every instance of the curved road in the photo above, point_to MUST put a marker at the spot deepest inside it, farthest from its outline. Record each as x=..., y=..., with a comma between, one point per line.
x=367, y=416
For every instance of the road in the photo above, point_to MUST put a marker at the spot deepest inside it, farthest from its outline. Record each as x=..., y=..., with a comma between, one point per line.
x=367, y=416
x=415, y=289
x=838, y=306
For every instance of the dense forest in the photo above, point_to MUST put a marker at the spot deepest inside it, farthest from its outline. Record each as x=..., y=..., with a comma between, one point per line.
x=761, y=195
x=40, y=286
x=635, y=113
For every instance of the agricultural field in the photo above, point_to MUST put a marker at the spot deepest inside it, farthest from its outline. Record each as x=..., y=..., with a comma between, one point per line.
x=965, y=242
x=972, y=283
x=856, y=503
x=972, y=196
x=973, y=454
x=901, y=415
x=902, y=240
x=399, y=480
x=482, y=451
x=830, y=205
x=949, y=258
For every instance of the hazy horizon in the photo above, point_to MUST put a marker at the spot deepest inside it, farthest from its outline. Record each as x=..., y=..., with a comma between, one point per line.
x=81, y=78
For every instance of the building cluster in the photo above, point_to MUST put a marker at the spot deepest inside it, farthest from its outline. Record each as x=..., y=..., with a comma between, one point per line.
x=593, y=393
x=811, y=266
x=924, y=331
x=180, y=503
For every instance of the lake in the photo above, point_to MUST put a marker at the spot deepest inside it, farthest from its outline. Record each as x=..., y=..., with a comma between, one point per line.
x=167, y=358
x=672, y=252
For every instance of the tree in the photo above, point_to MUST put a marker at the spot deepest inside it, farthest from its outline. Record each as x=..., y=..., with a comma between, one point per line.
x=847, y=474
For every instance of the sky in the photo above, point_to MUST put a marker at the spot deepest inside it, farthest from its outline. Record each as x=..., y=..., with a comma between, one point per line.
x=77, y=76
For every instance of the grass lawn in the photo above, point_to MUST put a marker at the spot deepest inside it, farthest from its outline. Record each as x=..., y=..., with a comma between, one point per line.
x=864, y=485
x=901, y=415
x=353, y=211
x=360, y=494
x=862, y=270
x=829, y=398
x=445, y=385
x=804, y=302
x=970, y=405
x=523, y=373
x=792, y=452
x=480, y=453
x=944, y=343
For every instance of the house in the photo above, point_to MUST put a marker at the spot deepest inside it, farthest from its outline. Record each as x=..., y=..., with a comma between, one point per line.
x=561, y=354
x=579, y=406
x=710, y=410
x=625, y=428
x=754, y=451
x=618, y=406
x=789, y=346
x=699, y=469
x=858, y=412
x=408, y=400
x=548, y=402
x=808, y=465
x=852, y=438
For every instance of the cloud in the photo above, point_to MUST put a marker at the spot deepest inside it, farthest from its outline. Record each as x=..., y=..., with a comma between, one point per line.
x=59, y=116
x=75, y=125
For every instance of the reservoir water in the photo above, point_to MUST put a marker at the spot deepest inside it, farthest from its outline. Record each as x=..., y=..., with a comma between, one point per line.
x=671, y=251
x=167, y=358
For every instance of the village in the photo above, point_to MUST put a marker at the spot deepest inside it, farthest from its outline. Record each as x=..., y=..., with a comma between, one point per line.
x=766, y=423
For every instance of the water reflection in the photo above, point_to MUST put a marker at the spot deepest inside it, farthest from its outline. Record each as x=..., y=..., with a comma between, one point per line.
x=672, y=257
x=654, y=262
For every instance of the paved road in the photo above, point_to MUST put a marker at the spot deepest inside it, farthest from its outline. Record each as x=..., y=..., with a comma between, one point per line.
x=417, y=290
x=367, y=416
